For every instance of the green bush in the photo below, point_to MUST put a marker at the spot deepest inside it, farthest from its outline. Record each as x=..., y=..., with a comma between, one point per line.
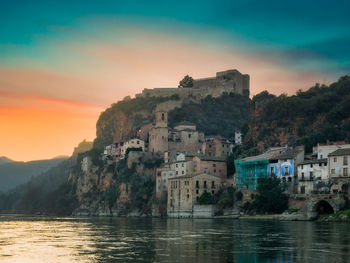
x=206, y=199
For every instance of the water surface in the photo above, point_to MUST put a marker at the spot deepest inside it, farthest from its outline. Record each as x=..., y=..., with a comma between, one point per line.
x=39, y=239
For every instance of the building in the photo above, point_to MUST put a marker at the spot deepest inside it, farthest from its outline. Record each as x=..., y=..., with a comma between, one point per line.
x=114, y=151
x=169, y=170
x=322, y=150
x=229, y=81
x=217, y=146
x=250, y=169
x=216, y=166
x=135, y=144
x=183, y=137
x=285, y=166
x=158, y=134
x=338, y=168
x=184, y=191
x=310, y=175
x=238, y=137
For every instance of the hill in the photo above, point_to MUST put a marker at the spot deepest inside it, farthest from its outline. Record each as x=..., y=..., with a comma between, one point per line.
x=309, y=117
x=13, y=174
x=4, y=160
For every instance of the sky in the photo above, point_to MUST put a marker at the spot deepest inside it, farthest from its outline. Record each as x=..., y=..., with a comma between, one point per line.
x=63, y=62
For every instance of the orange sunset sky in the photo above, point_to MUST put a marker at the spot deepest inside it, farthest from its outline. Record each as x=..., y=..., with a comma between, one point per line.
x=58, y=76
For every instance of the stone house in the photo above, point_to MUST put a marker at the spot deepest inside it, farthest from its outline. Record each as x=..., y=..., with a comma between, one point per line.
x=216, y=166
x=338, y=168
x=183, y=137
x=184, y=191
x=134, y=143
x=114, y=151
x=310, y=174
x=217, y=146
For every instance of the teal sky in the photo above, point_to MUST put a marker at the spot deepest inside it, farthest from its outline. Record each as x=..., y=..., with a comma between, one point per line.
x=63, y=62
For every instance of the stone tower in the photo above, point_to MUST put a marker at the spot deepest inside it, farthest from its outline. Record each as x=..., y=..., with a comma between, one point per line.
x=158, y=135
x=161, y=119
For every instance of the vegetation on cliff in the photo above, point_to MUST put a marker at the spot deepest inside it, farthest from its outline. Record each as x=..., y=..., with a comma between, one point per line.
x=215, y=116
x=309, y=117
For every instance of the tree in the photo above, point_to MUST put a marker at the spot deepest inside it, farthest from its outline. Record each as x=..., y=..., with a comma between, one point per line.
x=186, y=82
x=270, y=197
x=206, y=199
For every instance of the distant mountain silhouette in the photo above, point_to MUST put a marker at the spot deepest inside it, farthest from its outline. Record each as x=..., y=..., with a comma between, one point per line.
x=4, y=160
x=14, y=173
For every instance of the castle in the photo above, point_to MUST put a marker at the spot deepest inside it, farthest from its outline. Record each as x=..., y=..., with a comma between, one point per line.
x=229, y=81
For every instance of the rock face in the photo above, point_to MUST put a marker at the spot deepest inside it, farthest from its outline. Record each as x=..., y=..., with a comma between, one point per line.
x=124, y=188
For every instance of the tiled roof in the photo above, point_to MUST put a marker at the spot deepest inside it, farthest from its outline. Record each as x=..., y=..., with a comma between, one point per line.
x=340, y=152
x=314, y=161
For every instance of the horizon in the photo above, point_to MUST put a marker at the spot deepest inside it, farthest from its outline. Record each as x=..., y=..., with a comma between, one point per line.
x=63, y=63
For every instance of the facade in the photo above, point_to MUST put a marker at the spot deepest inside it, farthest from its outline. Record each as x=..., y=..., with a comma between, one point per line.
x=339, y=170
x=310, y=173
x=183, y=137
x=238, y=137
x=229, y=81
x=114, y=151
x=183, y=192
x=134, y=143
x=209, y=165
x=285, y=166
x=169, y=170
x=250, y=169
x=158, y=134
x=322, y=150
x=217, y=146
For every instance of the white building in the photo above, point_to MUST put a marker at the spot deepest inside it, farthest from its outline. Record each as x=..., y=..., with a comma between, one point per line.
x=134, y=143
x=310, y=174
x=169, y=170
x=322, y=150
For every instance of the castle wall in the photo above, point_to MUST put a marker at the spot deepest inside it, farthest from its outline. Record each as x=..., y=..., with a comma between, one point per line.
x=230, y=81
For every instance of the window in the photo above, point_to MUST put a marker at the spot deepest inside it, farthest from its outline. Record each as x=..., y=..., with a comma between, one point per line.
x=311, y=176
x=177, y=165
x=138, y=142
x=320, y=164
x=335, y=159
x=197, y=191
x=289, y=179
x=286, y=170
x=206, y=170
x=205, y=184
x=332, y=171
x=321, y=156
x=272, y=170
x=183, y=172
x=212, y=184
x=212, y=192
x=311, y=165
x=302, y=166
x=302, y=189
x=197, y=184
x=177, y=172
x=183, y=165
x=189, y=136
x=214, y=164
x=163, y=117
x=345, y=171
x=302, y=176
x=188, y=196
x=345, y=160
x=214, y=170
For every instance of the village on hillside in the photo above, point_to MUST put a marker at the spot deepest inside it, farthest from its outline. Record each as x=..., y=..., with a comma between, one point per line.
x=195, y=165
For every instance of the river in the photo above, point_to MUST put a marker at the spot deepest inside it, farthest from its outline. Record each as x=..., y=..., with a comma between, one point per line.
x=43, y=239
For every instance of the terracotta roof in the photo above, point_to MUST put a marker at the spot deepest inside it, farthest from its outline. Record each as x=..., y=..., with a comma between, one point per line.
x=340, y=152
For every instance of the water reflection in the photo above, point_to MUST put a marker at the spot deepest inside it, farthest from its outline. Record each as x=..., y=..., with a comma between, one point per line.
x=27, y=239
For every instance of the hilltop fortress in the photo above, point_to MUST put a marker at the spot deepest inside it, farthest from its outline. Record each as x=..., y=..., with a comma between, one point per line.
x=230, y=81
